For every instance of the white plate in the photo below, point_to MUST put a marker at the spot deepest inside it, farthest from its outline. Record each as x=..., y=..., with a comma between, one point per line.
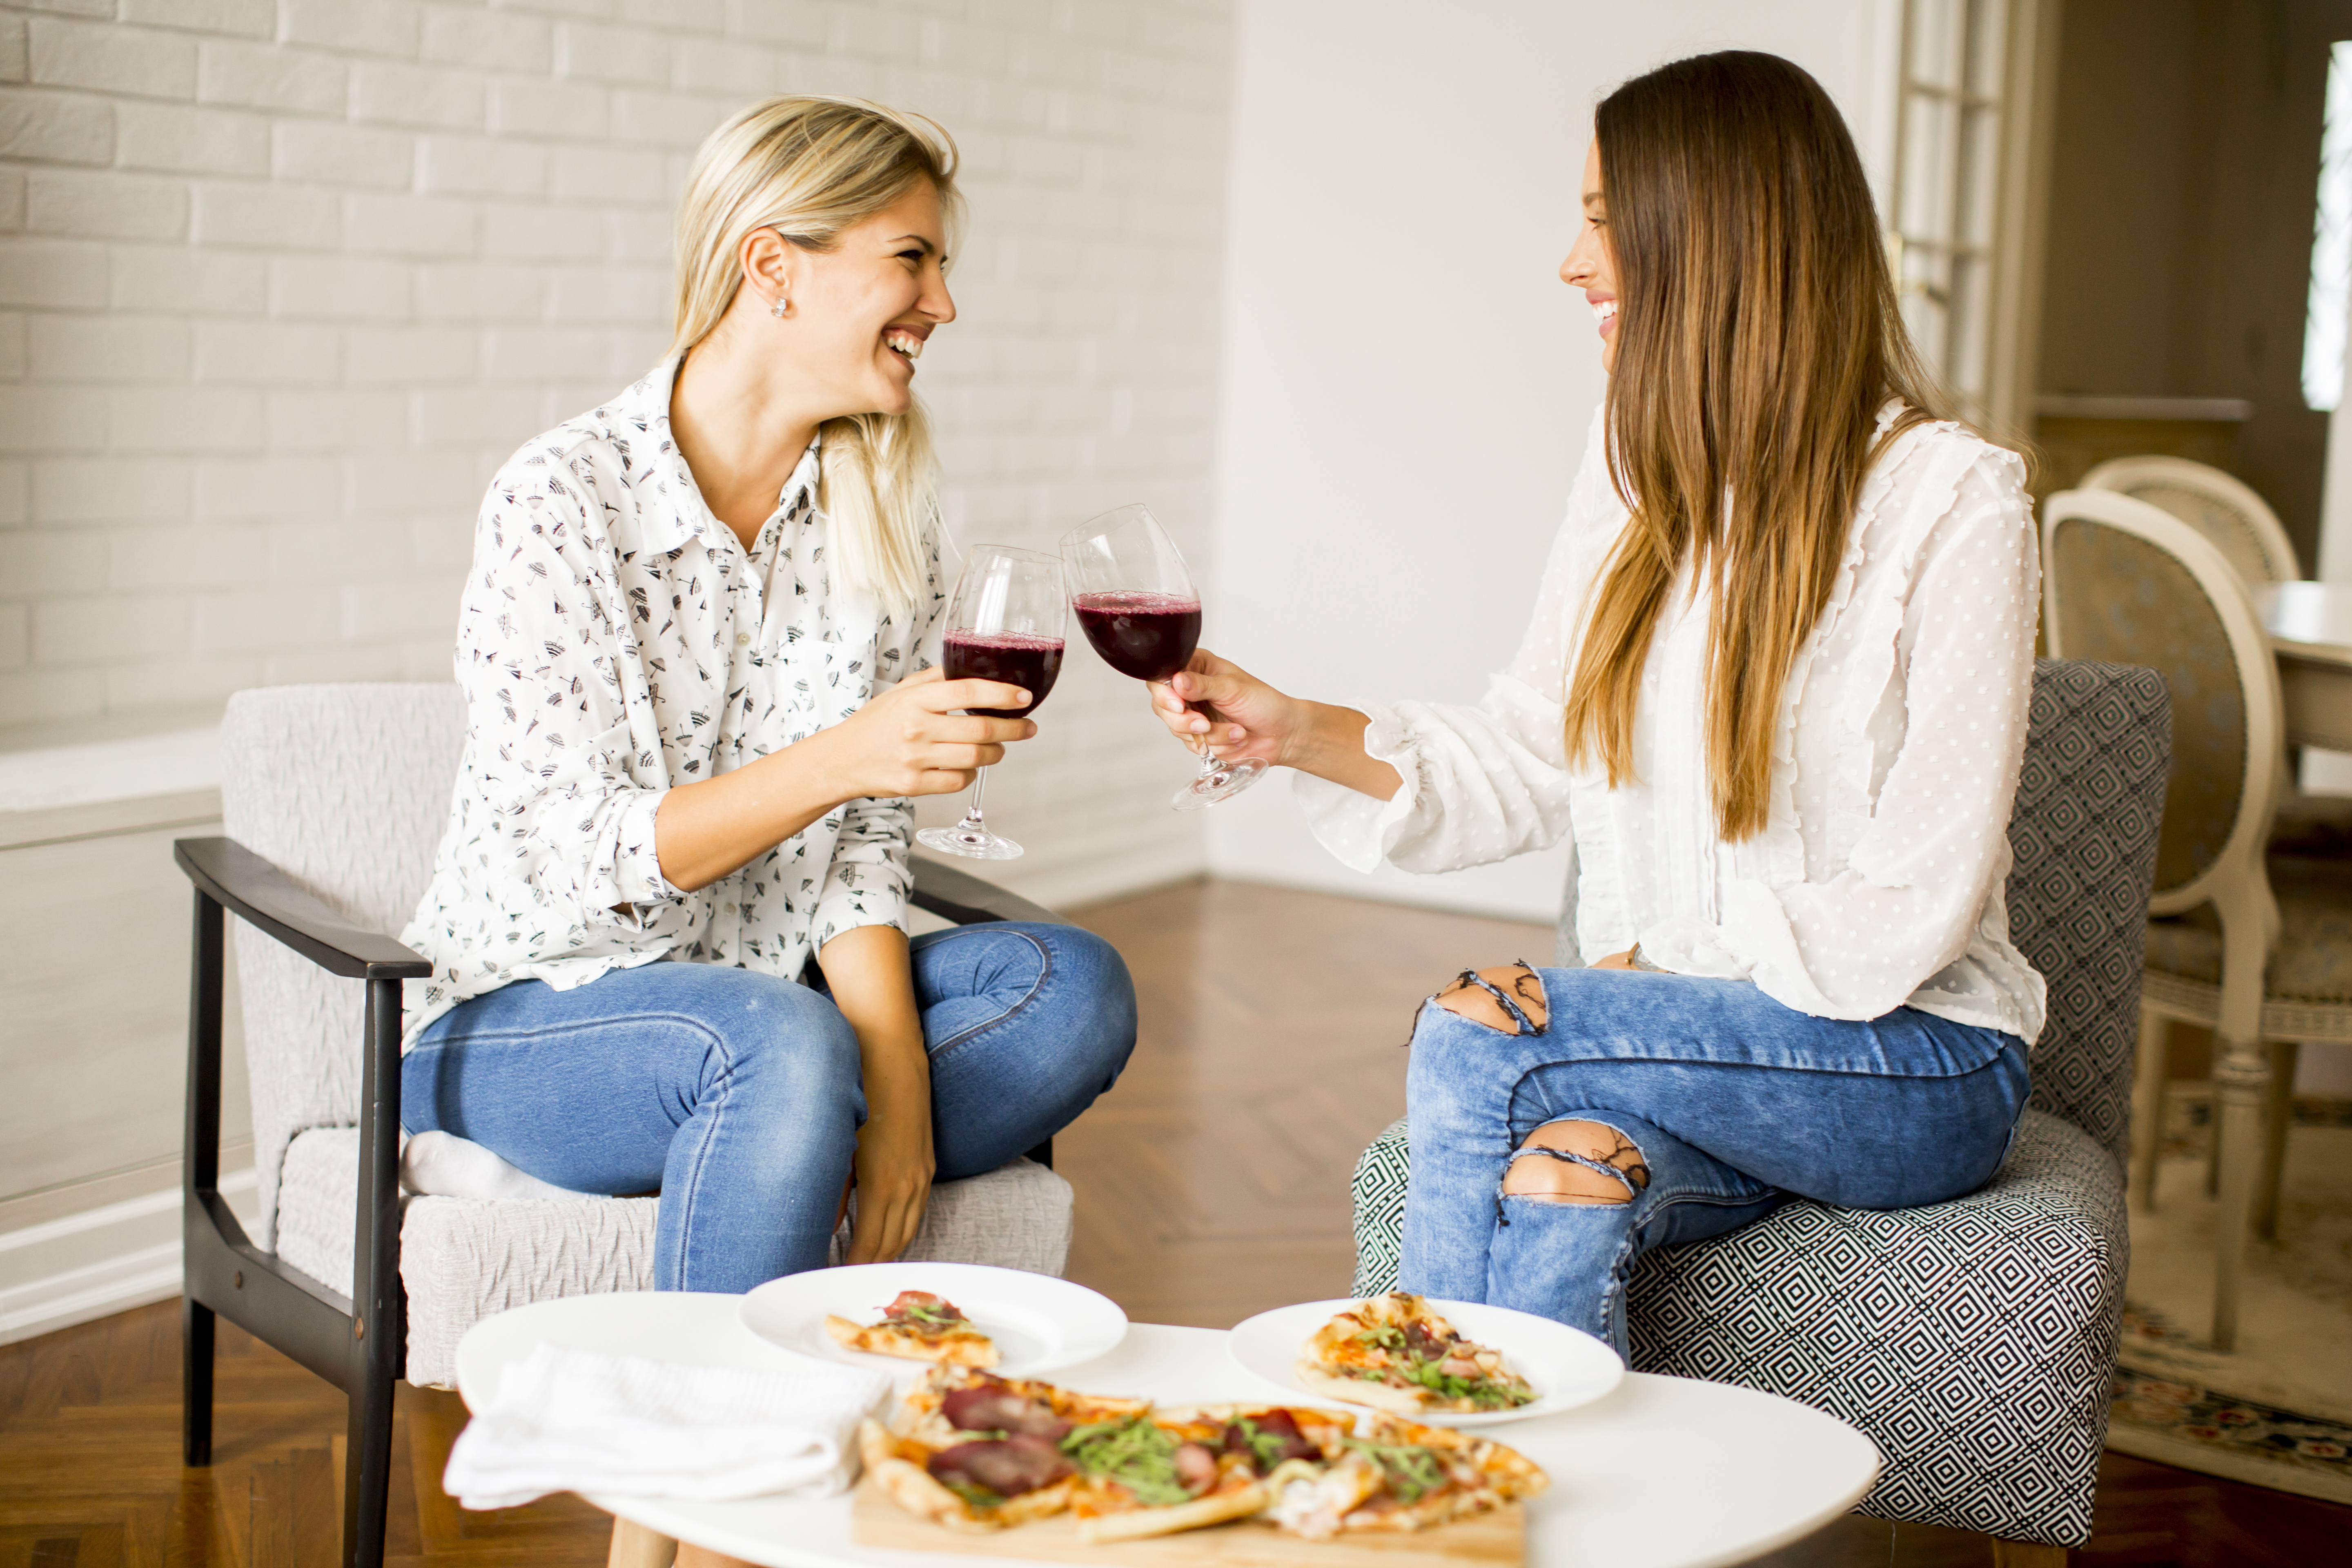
x=1566, y=1367
x=1038, y=1322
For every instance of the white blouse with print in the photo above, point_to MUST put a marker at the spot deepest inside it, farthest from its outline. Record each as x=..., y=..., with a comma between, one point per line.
x=1877, y=880
x=614, y=641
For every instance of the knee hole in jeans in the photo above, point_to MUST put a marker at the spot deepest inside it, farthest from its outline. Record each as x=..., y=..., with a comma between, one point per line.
x=1576, y=1162
x=1507, y=999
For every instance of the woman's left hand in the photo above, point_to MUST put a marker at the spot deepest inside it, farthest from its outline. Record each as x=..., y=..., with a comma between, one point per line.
x=893, y=1169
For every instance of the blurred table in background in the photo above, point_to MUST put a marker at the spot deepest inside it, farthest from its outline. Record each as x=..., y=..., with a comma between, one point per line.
x=2310, y=627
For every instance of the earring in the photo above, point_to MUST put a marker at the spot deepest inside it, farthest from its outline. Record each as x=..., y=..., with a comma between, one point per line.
x=777, y=309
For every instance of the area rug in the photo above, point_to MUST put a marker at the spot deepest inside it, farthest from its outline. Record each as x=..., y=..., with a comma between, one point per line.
x=2276, y=1411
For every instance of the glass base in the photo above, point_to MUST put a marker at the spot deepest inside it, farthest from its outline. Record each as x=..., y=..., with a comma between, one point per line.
x=974, y=843
x=1219, y=785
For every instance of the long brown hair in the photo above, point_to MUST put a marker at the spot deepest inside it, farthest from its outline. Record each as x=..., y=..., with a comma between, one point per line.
x=1757, y=339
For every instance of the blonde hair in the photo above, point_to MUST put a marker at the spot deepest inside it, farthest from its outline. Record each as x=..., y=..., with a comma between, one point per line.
x=810, y=167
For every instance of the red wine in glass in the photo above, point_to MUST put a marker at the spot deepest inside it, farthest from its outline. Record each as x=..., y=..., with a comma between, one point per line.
x=1016, y=658
x=1143, y=635
x=1138, y=606
x=1005, y=622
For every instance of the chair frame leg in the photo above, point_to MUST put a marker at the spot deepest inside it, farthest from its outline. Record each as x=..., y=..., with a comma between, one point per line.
x=2155, y=1062
x=198, y=1326
x=2028, y=1554
x=2242, y=1081
x=2278, y=1116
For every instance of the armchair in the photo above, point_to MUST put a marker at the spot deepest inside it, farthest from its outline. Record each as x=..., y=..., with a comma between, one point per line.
x=1974, y=1341
x=334, y=798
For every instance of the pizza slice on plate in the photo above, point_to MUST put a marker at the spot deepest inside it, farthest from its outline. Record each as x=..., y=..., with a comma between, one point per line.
x=1395, y=1354
x=918, y=1326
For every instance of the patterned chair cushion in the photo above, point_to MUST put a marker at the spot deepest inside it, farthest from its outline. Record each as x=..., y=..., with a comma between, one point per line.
x=2311, y=966
x=1973, y=1340
x=2083, y=837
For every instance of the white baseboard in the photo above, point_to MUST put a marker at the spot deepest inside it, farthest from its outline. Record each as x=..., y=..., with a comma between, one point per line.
x=105, y=1260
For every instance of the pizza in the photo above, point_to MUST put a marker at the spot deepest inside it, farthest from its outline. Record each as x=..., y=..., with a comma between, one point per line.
x=1391, y=1476
x=918, y=1326
x=974, y=1452
x=1393, y=1353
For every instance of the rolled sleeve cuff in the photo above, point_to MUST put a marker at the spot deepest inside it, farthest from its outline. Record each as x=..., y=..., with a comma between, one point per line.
x=1358, y=831
x=636, y=888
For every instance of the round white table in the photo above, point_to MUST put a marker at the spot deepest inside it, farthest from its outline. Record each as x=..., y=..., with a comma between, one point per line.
x=1663, y=1473
x=2310, y=627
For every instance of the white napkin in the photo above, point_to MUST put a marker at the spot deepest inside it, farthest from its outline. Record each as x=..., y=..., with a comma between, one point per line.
x=577, y=1421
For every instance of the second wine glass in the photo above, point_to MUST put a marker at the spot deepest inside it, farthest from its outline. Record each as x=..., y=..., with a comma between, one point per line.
x=1137, y=604
x=1004, y=623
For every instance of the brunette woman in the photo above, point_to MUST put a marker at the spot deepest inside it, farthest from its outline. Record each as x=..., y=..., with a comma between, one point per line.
x=692, y=645
x=1774, y=693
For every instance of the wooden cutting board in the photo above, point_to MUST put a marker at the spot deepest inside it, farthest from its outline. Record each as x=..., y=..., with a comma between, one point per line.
x=1500, y=1538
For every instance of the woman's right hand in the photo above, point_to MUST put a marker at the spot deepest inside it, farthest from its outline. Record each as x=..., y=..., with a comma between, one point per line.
x=1237, y=715
x=1216, y=704
x=911, y=740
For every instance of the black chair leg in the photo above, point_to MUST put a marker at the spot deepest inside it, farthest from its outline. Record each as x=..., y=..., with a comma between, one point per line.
x=367, y=1470
x=195, y=1381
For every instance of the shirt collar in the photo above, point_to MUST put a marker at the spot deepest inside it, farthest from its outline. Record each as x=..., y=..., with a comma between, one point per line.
x=677, y=513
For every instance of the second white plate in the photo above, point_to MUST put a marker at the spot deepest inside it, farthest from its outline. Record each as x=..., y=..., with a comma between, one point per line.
x=1566, y=1367
x=1038, y=1322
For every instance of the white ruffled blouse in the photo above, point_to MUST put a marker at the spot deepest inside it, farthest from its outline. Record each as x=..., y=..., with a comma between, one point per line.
x=1877, y=880
x=615, y=639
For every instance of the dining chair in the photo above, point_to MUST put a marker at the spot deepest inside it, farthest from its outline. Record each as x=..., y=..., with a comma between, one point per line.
x=2224, y=508
x=335, y=799
x=1973, y=1340
x=2241, y=525
x=2248, y=936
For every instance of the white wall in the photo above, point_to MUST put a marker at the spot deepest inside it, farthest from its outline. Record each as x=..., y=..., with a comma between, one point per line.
x=1407, y=383
x=281, y=281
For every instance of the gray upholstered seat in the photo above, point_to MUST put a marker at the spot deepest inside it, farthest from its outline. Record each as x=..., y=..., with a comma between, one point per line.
x=346, y=788
x=1974, y=1341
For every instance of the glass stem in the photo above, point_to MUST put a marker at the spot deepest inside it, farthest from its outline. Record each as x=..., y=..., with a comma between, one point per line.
x=972, y=822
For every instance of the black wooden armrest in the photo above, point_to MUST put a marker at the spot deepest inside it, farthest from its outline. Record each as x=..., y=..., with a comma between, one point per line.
x=955, y=894
x=265, y=896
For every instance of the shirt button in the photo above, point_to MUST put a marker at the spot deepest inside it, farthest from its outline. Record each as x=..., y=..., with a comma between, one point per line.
x=742, y=639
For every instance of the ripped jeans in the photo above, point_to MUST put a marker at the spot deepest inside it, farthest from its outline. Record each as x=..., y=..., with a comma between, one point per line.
x=1732, y=1102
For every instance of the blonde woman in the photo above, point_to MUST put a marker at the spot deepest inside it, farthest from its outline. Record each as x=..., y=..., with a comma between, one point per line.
x=691, y=644
x=1775, y=694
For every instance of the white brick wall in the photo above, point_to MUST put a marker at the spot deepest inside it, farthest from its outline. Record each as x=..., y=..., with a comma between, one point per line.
x=281, y=281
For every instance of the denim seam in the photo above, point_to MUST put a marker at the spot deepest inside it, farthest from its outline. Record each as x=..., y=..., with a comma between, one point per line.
x=686, y=1202
x=1044, y=973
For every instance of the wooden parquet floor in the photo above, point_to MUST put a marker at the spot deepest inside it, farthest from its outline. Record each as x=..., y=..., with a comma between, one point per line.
x=1211, y=1184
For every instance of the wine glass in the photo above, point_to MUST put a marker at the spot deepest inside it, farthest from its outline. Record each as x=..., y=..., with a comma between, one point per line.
x=1138, y=608
x=1004, y=624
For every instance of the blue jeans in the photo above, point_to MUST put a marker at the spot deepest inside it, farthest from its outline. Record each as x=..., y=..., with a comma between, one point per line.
x=1734, y=1101
x=739, y=1095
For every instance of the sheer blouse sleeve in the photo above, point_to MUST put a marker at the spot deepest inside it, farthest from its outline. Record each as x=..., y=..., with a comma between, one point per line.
x=1917, y=881
x=1486, y=782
